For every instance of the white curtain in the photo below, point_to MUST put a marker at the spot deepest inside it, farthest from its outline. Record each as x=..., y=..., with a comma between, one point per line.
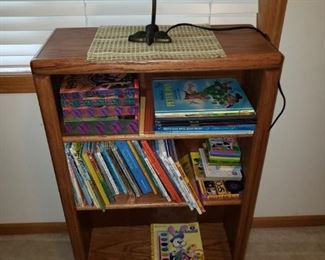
x=25, y=25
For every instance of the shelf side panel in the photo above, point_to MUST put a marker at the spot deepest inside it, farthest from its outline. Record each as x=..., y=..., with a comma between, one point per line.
x=79, y=234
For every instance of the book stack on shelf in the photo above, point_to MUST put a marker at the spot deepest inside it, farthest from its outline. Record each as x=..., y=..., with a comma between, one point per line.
x=216, y=169
x=203, y=106
x=176, y=241
x=100, y=104
x=101, y=171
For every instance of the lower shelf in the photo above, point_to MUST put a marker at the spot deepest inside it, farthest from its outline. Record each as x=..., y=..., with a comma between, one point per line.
x=121, y=243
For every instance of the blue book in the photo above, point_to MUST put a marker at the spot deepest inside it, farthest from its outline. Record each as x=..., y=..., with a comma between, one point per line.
x=191, y=129
x=133, y=166
x=200, y=98
x=115, y=174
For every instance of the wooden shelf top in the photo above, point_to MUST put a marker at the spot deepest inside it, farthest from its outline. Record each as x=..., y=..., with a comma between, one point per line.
x=66, y=52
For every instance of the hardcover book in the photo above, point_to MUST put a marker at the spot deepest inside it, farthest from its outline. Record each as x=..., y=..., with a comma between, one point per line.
x=176, y=241
x=102, y=126
x=200, y=98
x=98, y=85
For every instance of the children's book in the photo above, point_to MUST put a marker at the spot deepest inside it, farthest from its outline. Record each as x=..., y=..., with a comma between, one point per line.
x=98, y=85
x=217, y=173
x=223, y=146
x=200, y=97
x=176, y=241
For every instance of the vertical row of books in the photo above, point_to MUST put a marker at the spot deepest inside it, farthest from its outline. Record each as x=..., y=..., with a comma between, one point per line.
x=100, y=171
x=95, y=104
x=202, y=106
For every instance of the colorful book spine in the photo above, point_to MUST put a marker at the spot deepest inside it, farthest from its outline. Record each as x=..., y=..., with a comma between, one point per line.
x=160, y=171
x=105, y=171
x=125, y=170
x=212, y=172
x=93, y=173
x=154, y=175
x=143, y=167
x=76, y=187
x=76, y=152
x=111, y=166
x=133, y=166
x=100, y=101
x=192, y=190
x=122, y=126
x=98, y=112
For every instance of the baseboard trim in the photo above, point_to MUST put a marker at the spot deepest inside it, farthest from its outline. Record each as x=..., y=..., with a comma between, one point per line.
x=289, y=221
x=32, y=228
x=258, y=222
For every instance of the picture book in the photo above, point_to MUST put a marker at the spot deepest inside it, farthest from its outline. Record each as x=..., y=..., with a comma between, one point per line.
x=216, y=173
x=200, y=97
x=223, y=146
x=176, y=241
x=217, y=190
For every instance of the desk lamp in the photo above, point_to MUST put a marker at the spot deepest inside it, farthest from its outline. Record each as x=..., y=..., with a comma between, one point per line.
x=151, y=33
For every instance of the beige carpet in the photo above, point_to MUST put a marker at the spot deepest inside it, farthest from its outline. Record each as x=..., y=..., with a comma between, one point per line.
x=306, y=243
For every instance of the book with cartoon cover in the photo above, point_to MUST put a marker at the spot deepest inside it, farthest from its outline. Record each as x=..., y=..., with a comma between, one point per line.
x=176, y=241
x=200, y=97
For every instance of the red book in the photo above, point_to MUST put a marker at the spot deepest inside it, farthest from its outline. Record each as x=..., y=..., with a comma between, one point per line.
x=160, y=171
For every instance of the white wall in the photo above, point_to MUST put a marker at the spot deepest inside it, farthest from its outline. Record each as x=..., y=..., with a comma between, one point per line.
x=294, y=175
x=294, y=171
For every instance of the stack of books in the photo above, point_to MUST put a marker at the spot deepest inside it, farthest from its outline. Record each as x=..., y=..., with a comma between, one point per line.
x=100, y=171
x=100, y=104
x=176, y=241
x=208, y=106
x=216, y=169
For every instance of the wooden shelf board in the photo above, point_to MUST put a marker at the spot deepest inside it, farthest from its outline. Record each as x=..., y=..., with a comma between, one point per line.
x=134, y=243
x=155, y=201
x=97, y=138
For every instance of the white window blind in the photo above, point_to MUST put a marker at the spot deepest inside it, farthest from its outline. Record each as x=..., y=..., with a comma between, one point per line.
x=25, y=25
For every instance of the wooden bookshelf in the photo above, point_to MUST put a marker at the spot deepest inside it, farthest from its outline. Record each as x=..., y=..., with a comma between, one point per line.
x=122, y=230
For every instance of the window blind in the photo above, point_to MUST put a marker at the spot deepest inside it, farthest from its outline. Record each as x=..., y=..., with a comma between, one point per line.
x=25, y=25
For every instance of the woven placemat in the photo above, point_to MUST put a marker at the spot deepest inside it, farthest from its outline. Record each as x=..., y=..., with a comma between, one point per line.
x=111, y=44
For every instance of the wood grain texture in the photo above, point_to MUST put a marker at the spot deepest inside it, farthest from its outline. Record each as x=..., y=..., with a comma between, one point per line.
x=48, y=108
x=289, y=221
x=271, y=17
x=66, y=52
x=124, y=243
x=16, y=83
x=252, y=59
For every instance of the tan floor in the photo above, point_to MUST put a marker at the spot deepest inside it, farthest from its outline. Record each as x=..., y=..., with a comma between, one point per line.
x=306, y=243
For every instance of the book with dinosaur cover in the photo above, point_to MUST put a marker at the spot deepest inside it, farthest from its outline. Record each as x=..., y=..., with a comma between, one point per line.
x=176, y=241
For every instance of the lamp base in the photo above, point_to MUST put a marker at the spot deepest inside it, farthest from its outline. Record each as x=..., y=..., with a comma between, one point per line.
x=150, y=35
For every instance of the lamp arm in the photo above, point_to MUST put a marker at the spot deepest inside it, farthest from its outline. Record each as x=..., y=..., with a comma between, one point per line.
x=151, y=33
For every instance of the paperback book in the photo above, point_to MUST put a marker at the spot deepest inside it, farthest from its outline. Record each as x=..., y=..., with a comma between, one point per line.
x=176, y=241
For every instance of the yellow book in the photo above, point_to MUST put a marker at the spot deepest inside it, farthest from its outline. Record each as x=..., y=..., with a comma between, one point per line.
x=95, y=177
x=190, y=186
x=176, y=241
x=142, y=166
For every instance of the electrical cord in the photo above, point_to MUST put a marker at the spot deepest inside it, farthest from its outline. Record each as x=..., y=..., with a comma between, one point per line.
x=232, y=28
x=283, y=106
